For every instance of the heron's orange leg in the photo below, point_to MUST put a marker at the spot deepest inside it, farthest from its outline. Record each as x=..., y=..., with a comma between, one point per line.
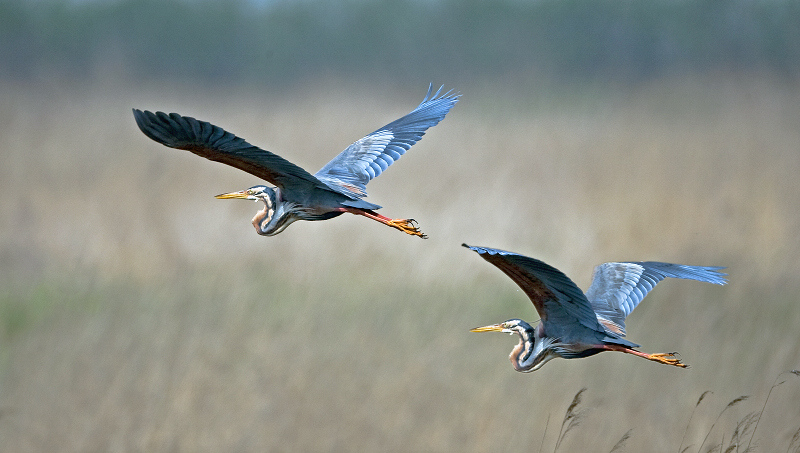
x=408, y=226
x=667, y=358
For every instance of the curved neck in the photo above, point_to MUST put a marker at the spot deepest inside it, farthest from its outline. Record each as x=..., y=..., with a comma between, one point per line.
x=532, y=351
x=522, y=352
x=275, y=216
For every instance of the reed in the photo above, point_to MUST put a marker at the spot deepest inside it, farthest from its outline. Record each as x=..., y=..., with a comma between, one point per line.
x=139, y=313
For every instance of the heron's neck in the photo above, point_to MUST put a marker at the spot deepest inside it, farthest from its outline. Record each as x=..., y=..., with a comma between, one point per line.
x=534, y=349
x=262, y=219
x=525, y=351
x=275, y=216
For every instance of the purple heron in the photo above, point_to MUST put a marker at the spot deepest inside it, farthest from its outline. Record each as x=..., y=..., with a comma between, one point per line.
x=574, y=325
x=338, y=187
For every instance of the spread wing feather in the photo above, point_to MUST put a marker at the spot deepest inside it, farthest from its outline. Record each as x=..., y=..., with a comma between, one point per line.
x=367, y=158
x=214, y=143
x=559, y=301
x=617, y=288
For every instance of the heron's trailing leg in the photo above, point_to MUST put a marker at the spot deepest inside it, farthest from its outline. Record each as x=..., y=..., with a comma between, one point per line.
x=408, y=226
x=667, y=358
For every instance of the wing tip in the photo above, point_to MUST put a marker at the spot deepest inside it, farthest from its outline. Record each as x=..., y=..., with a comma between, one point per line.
x=139, y=115
x=451, y=95
x=706, y=274
x=487, y=250
x=479, y=250
x=716, y=277
x=145, y=120
x=712, y=274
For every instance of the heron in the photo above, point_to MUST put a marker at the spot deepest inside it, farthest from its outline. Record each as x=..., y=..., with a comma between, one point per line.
x=574, y=325
x=339, y=187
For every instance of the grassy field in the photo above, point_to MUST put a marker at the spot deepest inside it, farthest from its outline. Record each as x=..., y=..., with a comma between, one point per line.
x=139, y=313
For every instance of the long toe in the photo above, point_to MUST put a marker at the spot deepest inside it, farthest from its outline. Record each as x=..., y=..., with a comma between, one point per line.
x=408, y=226
x=667, y=358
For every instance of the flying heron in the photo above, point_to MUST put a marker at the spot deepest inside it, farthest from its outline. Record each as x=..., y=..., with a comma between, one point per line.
x=338, y=187
x=574, y=325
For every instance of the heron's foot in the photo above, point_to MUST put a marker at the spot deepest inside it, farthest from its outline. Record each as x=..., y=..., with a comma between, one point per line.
x=408, y=226
x=667, y=358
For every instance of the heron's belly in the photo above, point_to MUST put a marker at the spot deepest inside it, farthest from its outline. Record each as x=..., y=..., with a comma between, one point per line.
x=320, y=215
x=581, y=354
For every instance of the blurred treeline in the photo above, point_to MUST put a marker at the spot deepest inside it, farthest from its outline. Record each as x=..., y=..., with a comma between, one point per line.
x=289, y=41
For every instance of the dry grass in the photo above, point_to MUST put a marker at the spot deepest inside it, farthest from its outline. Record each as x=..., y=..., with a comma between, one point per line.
x=139, y=313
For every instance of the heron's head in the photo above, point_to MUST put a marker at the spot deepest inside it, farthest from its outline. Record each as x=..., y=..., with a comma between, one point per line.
x=511, y=326
x=255, y=193
x=532, y=352
x=276, y=215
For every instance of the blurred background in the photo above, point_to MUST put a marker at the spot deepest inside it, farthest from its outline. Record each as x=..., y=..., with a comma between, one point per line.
x=138, y=313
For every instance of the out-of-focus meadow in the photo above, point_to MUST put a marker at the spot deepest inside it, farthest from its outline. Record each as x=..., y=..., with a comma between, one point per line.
x=139, y=313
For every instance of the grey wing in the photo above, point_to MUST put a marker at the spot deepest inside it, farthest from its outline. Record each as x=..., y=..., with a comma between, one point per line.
x=350, y=171
x=617, y=288
x=214, y=143
x=559, y=301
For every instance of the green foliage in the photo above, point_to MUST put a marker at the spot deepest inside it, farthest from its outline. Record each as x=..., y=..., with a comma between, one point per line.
x=235, y=40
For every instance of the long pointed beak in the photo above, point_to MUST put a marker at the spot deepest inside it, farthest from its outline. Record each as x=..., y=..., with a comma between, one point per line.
x=239, y=194
x=492, y=328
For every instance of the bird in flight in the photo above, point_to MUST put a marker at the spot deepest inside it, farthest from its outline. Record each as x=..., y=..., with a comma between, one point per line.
x=338, y=187
x=574, y=325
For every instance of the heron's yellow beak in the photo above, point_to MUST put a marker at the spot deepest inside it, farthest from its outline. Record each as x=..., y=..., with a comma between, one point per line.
x=239, y=194
x=492, y=328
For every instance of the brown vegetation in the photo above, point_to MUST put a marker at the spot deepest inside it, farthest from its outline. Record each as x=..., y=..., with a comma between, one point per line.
x=139, y=313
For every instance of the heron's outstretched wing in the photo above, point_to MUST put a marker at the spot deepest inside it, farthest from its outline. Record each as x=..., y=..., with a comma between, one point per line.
x=214, y=143
x=617, y=288
x=559, y=301
x=353, y=168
